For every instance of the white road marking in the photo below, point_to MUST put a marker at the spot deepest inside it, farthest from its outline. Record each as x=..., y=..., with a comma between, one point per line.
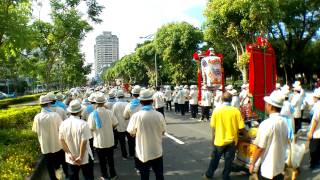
x=173, y=138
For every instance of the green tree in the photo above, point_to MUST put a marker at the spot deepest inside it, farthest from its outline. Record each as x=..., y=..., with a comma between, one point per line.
x=176, y=42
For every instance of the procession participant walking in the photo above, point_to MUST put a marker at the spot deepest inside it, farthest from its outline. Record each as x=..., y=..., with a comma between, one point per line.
x=226, y=123
x=131, y=108
x=74, y=135
x=148, y=126
x=235, y=99
x=62, y=113
x=296, y=102
x=193, y=101
x=175, y=100
x=102, y=122
x=181, y=97
x=186, y=92
x=271, y=141
x=111, y=99
x=118, y=109
x=88, y=107
x=46, y=125
x=287, y=113
x=218, y=97
x=168, y=97
x=158, y=101
x=59, y=100
x=206, y=104
x=314, y=132
x=243, y=93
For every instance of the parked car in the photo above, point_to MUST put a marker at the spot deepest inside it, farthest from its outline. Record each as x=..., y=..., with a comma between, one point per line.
x=4, y=95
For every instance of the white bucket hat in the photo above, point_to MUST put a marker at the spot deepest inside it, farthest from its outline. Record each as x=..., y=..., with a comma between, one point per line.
x=146, y=95
x=229, y=87
x=44, y=99
x=296, y=83
x=276, y=99
x=74, y=106
x=186, y=87
x=136, y=89
x=51, y=96
x=233, y=92
x=285, y=91
x=316, y=93
x=278, y=86
x=91, y=97
x=297, y=88
x=100, y=99
x=60, y=96
x=120, y=93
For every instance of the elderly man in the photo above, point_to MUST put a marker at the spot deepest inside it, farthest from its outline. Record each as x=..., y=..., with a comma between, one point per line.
x=148, y=126
x=74, y=135
x=226, y=123
x=46, y=125
x=102, y=122
x=271, y=141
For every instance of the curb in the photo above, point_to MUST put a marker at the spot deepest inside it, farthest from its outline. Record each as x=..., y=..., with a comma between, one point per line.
x=40, y=171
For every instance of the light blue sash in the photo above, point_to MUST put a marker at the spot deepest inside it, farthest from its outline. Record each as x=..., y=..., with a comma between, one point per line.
x=147, y=108
x=97, y=119
x=90, y=109
x=134, y=103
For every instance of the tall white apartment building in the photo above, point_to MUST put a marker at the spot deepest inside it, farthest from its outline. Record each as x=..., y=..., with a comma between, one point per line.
x=106, y=51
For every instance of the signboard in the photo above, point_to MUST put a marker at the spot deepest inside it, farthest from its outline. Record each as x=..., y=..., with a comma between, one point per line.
x=211, y=67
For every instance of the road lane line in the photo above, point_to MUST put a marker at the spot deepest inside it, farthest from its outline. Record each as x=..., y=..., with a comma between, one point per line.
x=173, y=138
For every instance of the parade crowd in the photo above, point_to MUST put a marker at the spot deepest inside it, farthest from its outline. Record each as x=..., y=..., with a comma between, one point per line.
x=74, y=126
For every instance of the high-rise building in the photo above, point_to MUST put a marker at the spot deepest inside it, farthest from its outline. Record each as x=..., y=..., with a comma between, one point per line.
x=106, y=51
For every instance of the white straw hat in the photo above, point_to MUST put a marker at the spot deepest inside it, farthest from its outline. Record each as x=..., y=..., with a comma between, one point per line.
x=51, y=96
x=74, y=106
x=100, y=99
x=276, y=99
x=136, y=89
x=229, y=87
x=91, y=97
x=44, y=99
x=146, y=95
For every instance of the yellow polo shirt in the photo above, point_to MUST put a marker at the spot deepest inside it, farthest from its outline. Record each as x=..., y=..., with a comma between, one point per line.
x=226, y=120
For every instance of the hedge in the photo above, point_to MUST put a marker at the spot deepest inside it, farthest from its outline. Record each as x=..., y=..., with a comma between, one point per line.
x=5, y=103
x=19, y=151
x=17, y=117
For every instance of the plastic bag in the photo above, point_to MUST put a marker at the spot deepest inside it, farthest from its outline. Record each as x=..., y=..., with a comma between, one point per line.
x=296, y=153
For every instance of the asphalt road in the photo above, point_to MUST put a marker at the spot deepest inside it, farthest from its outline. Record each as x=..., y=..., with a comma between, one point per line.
x=188, y=158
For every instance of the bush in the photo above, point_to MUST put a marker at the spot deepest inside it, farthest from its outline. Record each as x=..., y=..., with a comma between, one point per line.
x=17, y=117
x=5, y=103
x=19, y=151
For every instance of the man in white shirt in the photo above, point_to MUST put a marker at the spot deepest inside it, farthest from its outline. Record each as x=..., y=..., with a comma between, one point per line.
x=181, y=98
x=296, y=102
x=148, y=126
x=186, y=92
x=131, y=108
x=158, y=101
x=271, y=141
x=118, y=109
x=74, y=135
x=218, y=98
x=62, y=113
x=193, y=101
x=102, y=122
x=175, y=99
x=314, y=132
x=168, y=97
x=46, y=125
x=206, y=103
x=235, y=99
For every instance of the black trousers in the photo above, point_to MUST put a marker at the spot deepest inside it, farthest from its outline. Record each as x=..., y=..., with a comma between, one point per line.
x=168, y=104
x=161, y=110
x=87, y=171
x=53, y=162
x=182, y=109
x=115, y=136
x=194, y=110
x=314, y=147
x=297, y=124
x=186, y=106
x=176, y=108
x=155, y=164
x=205, y=110
x=122, y=140
x=105, y=156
